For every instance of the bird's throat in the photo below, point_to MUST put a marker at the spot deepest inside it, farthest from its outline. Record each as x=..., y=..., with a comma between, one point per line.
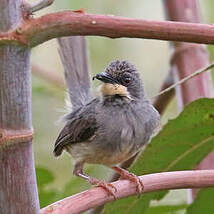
x=108, y=89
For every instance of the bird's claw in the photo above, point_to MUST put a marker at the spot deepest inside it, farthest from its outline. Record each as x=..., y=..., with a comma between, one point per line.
x=135, y=179
x=107, y=186
x=132, y=177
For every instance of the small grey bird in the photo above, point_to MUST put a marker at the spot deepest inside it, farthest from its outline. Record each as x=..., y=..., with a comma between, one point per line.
x=111, y=128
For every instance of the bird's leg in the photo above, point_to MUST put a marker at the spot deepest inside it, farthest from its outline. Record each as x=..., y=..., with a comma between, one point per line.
x=130, y=176
x=78, y=171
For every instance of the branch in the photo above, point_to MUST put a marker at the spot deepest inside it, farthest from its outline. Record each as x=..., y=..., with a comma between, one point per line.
x=152, y=182
x=37, y=5
x=36, y=31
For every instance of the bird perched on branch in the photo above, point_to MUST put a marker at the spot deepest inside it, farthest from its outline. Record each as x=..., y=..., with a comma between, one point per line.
x=111, y=128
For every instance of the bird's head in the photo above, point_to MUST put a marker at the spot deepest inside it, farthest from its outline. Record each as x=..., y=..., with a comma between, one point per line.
x=121, y=78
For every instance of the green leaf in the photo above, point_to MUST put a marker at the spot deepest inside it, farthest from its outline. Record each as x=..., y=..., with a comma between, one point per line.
x=203, y=203
x=181, y=145
x=166, y=209
x=74, y=186
x=47, y=197
x=45, y=177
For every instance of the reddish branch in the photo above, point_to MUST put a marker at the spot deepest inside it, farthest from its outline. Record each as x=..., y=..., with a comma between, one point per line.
x=153, y=182
x=33, y=32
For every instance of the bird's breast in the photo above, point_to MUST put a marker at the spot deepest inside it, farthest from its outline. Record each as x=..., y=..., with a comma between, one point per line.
x=121, y=133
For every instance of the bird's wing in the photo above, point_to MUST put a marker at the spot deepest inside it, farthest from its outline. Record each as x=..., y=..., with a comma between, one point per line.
x=79, y=129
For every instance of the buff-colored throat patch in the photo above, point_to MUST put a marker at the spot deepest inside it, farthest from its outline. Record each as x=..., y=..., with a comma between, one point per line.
x=108, y=89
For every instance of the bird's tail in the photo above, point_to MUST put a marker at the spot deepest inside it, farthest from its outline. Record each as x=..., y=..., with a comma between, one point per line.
x=74, y=56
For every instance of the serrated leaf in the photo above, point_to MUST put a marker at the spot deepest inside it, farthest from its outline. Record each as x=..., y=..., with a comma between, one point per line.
x=181, y=145
x=203, y=203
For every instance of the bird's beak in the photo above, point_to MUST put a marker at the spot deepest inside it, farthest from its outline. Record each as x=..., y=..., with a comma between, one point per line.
x=106, y=78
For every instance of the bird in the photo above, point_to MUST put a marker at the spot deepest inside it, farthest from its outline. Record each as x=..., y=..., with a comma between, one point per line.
x=112, y=127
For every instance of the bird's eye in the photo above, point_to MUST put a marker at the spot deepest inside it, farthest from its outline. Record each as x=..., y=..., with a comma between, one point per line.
x=126, y=80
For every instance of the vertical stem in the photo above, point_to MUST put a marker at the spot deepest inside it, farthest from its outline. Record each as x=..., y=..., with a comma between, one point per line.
x=188, y=58
x=18, y=189
x=15, y=83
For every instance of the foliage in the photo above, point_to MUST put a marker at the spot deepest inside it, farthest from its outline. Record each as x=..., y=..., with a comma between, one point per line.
x=167, y=209
x=45, y=177
x=203, y=203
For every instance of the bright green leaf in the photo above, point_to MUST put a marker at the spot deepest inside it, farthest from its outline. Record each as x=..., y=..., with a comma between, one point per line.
x=46, y=196
x=44, y=176
x=166, y=209
x=181, y=145
x=203, y=203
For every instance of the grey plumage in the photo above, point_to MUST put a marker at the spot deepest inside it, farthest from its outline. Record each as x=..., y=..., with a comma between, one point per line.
x=110, y=130
x=113, y=127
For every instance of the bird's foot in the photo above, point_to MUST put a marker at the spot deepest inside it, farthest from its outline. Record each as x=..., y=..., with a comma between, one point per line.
x=93, y=181
x=110, y=188
x=130, y=176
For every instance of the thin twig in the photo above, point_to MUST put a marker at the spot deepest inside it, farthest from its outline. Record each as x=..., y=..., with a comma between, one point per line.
x=152, y=182
x=185, y=79
x=37, y=5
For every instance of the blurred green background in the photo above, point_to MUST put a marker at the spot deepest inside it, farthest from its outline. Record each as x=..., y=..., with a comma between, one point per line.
x=151, y=57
